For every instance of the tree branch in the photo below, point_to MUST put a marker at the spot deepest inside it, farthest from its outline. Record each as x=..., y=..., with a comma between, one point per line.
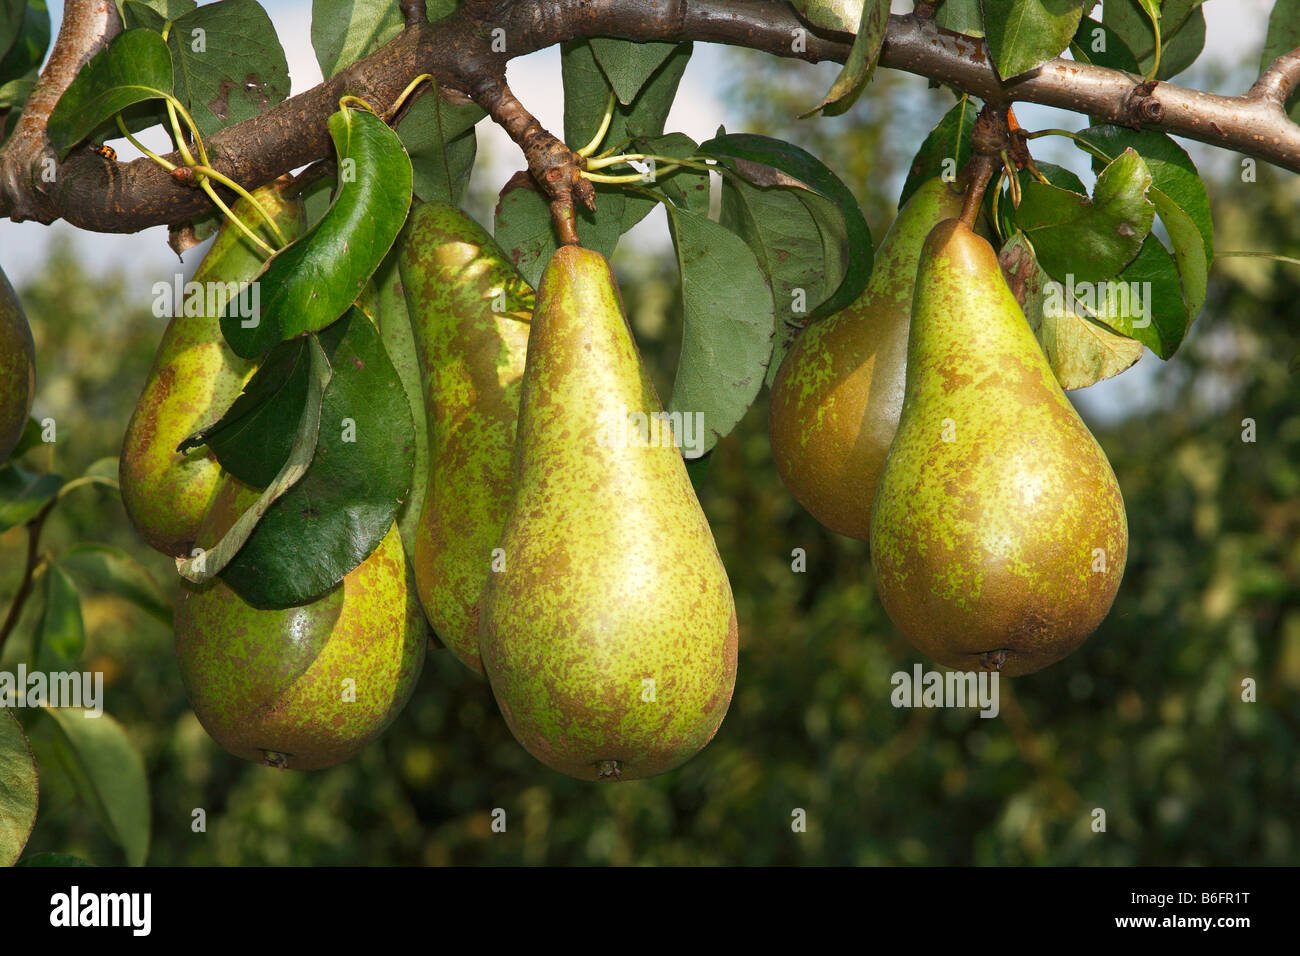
x=457, y=51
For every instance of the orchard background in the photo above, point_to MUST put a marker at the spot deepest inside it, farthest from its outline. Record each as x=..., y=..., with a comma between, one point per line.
x=1145, y=722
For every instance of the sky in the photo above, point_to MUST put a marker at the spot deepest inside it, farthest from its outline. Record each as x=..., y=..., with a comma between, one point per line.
x=1235, y=28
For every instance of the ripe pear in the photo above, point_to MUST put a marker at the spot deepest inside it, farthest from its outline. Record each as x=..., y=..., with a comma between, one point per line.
x=17, y=369
x=194, y=379
x=300, y=687
x=470, y=311
x=837, y=396
x=999, y=536
x=609, y=636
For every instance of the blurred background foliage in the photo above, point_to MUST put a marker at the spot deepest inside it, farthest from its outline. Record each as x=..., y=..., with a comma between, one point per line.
x=1145, y=722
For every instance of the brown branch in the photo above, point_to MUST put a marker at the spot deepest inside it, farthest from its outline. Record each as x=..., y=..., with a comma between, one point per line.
x=34, y=528
x=458, y=52
x=87, y=27
x=1276, y=84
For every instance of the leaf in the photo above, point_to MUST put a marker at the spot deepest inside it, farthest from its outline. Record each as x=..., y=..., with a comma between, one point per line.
x=227, y=63
x=961, y=16
x=1283, y=37
x=53, y=859
x=842, y=16
x=685, y=187
x=18, y=789
x=586, y=92
x=344, y=31
x=729, y=323
x=165, y=9
x=628, y=64
x=11, y=22
x=108, y=772
x=523, y=228
x=1182, y=32
x=136, y=66
x=811, y=174
x=60, y=633
x=311, y=282
x=1098, y=44
x=440, y=139
x=861, y=62
x=106, y=568
x=1024, y=34
x=23, y=494
x=12, y=97
x=28, y=49
x=31, y=438
x=1089, y=239
x=337, y=514
x=1161, y=323
x=945, y=151
x=1079, y=351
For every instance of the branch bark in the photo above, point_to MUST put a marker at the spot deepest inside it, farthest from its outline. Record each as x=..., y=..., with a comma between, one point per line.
x=457, y=51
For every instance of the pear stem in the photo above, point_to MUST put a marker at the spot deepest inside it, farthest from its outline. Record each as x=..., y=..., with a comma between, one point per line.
x=979, y=172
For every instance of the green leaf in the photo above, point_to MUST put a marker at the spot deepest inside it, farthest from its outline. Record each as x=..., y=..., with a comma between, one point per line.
x=1283, y=37
x=344, y=31
x=31, y=438
x=136, y=66
x=586, y=92
x=524, y=232
x=729, y=323
x=23, y=494
x=11, y=22
x=18, y=789
x=13, y=95
x=28, y=49
x=749, y=153
x=60, y=633
x=861, y=62
x=961, y=16
x=106, y=568
x=53, y=859
x=1161, y=322
x=440, y=139
x=338, y=512
x=108, y=772
x=1089, y=239
x=945, y=151
x=165, y=9
x=1024, y=34
x=842, y=16
x=685, y=187
x=628, y=64
x=1098, y=44
x=227, y=63
x=310, y=283
x=1081, y=352
x=1182, y=32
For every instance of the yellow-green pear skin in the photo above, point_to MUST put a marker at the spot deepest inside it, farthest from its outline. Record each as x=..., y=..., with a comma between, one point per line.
x=194, y=379
x=470, y=311
x=999, y=536
x=17, y=369
x=837, y=396
x=305, y=687
x=609, y=636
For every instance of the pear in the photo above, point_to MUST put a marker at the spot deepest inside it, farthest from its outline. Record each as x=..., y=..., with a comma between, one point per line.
x=194, y=379
x=17, y=369
x=609, y=636
x=471, y=360
x=999, y=536
x=300, y=687
x=837, y=396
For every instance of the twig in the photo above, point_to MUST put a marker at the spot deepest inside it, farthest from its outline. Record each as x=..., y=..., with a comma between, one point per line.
x=34, y=527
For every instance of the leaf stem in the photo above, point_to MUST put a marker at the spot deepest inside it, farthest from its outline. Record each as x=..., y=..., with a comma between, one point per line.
x=604, y=128
x=1289, y=260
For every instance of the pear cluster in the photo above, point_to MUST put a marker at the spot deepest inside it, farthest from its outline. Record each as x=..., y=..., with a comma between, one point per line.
x=926, y=419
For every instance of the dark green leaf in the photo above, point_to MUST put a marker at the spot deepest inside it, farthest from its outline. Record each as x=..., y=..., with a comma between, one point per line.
x=1182, y=33
x=861, y=62
x=310, y=283
x=961, y=16
x=103, y=567
x=28, y=49
x=1024, y=34
x=1162, y=321
x=442, y=144
x=628, y=64
x=11, y=22
x=135, y=67
x=31, y=438
x=338, y=512
x=18, y=789
x=23, y=493
x=344, y=31
x=945, y=151
x=586, y=93
x=524, y=232
x=748, y=153
x=1098, y=44
x=61, y=633
x=1283, y=37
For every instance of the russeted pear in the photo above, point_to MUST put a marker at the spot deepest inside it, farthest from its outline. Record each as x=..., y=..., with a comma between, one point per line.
x=609, y=636
x=470, y=311
x=17, y=369
x=999, y=536
x=301, y=687
x=838, y=394
x=194, y=379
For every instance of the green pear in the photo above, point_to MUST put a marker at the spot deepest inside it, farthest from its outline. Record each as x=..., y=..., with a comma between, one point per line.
x=837, y=396
x=999, y=536
x=17, y=369
x=470, y=311
x=300, y=687
x=194, y=379
x=609, y=636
